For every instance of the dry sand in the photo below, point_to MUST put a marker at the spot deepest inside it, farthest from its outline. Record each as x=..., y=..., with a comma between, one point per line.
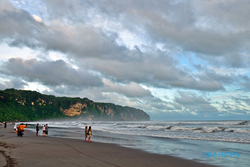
x=40, y=151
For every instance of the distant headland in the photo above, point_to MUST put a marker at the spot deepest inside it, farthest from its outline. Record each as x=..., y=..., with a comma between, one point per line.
x=25, y=105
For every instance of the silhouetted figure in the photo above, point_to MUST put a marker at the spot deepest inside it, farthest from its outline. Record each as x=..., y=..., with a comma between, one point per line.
x=86, y=133
x=90, y=134
x=46, y=130
x=37, y=129
x=5, y=124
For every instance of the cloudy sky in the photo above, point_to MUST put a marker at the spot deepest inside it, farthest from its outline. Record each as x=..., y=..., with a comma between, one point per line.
x=174, y=59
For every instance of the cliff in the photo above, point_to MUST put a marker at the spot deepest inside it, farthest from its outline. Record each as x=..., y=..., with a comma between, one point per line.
x=32, y=105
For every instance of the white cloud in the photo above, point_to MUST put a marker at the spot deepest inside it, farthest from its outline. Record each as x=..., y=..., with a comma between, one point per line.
x=38, y=19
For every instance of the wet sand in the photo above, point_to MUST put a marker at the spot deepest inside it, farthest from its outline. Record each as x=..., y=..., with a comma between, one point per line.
x=31, y=150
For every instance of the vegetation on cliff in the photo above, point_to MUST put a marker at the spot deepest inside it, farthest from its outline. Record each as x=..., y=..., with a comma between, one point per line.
x=31, y=105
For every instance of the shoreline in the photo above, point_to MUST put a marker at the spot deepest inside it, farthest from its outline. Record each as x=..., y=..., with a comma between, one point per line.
x=30, y=150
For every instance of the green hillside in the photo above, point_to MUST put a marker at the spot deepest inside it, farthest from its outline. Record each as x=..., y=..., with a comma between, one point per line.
x=26, y=105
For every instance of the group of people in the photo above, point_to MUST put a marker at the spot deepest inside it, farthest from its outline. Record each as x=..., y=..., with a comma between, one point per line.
x=45, y=130
x=88, y=132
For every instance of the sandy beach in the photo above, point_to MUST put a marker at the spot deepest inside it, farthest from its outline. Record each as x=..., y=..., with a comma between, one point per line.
x=31, y=150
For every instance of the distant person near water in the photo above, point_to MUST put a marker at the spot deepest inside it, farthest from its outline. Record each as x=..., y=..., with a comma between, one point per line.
x=86, y=133
x=90, y=134
x=46, y=130
x=5, y=124
x=37, y=129
x=43, y=130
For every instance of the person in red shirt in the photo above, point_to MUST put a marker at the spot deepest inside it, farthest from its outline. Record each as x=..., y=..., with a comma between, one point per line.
x=86, y=133
x=37, y=129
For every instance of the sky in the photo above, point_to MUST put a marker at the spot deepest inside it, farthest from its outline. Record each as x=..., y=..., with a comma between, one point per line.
x=174, y=59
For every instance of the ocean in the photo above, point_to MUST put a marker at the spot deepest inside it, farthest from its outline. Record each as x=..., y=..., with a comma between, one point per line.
x=203, y=141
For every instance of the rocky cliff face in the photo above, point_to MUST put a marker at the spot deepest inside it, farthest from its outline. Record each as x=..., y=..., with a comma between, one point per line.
x=102, y=111
x=74, y=110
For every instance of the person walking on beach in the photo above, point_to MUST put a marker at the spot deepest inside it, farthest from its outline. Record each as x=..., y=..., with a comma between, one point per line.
x=43, y=130
x=37, y=129
x=46, y=130
x=86, y=133
x=5, y=124
x=90, y=134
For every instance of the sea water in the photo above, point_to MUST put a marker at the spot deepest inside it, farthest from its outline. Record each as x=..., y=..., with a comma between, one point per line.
x=185, y=139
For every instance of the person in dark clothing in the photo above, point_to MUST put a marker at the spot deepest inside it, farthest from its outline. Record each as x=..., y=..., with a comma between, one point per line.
x=89, y=133
x=5, y=124
x=86, y=133
x=46, y=130
x=37, y=129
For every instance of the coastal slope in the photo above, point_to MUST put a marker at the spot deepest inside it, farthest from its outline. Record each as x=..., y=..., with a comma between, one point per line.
x=32, y=105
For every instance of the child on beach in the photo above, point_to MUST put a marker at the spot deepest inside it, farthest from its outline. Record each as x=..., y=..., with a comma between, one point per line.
x=90, y=134
x=86, y=133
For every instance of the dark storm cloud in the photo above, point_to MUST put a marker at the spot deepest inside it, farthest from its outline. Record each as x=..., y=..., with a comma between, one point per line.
x=53, y=73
